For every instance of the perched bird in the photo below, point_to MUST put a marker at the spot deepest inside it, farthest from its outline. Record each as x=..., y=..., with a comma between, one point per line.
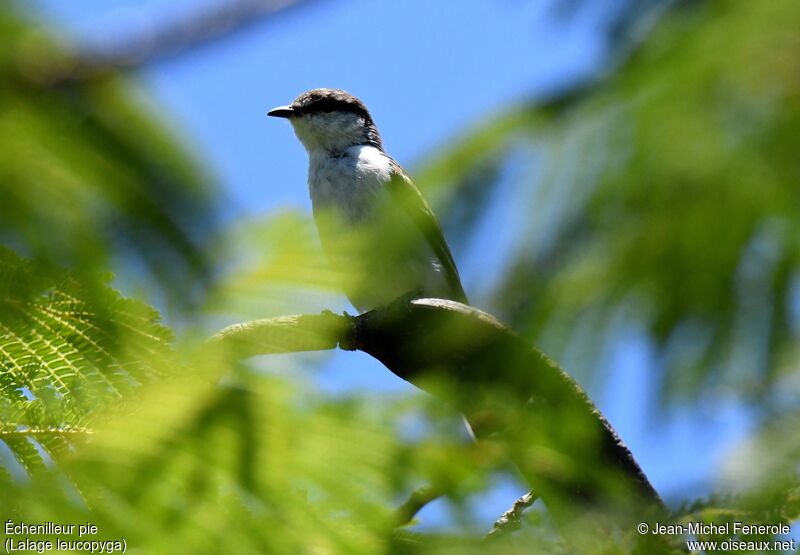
x=375, y=228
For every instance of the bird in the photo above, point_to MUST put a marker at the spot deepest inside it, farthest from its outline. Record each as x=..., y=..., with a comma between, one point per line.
x=375, y=228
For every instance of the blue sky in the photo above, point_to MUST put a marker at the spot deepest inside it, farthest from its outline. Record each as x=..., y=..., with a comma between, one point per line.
x=427, y=72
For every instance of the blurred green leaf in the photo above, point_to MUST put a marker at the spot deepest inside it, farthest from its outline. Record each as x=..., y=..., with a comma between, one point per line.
x=278, y=269
x=247, y=466
x=87, y=172
x=668, y=193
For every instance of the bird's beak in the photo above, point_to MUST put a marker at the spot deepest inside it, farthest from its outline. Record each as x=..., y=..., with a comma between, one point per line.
x=282, y=112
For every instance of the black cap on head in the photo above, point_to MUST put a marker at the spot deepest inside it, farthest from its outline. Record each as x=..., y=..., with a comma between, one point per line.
x=329, y=100
x=323, y=100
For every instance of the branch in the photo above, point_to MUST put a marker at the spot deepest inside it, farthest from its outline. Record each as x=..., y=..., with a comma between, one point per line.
x=511, y=394
x=287, y=334
x=210, y=23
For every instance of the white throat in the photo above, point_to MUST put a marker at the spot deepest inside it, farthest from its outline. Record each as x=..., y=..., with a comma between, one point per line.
x=331, y=131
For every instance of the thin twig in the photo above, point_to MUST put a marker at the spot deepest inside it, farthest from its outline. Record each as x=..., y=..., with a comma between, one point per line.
x=415, y=502
x=203, y=26
x=33, y=432
x=509, y=521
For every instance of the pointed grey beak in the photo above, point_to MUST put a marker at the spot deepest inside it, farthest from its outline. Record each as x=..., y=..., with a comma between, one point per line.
x=282, y=112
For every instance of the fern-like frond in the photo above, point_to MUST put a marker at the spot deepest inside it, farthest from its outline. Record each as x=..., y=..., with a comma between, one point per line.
x=67, y=349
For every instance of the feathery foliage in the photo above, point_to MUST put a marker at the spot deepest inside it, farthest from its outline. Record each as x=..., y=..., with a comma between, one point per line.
x=66, y=352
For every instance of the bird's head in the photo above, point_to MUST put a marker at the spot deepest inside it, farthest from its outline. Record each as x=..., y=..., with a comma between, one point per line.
x=329, y=119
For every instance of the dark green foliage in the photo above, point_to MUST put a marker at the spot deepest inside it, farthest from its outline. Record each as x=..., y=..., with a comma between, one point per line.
x=666, y=194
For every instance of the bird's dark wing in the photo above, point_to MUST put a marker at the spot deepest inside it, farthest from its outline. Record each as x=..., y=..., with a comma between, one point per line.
x=406, y=194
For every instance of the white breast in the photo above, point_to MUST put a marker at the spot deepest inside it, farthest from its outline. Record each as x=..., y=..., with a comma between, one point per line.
x=365, y=237
x=348, y=183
